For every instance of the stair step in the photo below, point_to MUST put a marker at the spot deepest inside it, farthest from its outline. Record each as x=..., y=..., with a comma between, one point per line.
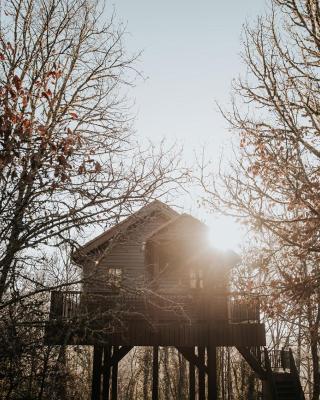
x=285, y=386
x=286, y=390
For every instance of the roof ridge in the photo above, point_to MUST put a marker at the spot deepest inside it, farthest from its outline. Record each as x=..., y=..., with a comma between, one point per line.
x=110, y=232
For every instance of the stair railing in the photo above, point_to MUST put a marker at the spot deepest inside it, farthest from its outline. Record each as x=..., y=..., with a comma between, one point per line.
x=270, y=376
x=255, y=351
x=279, y=360
x=295, y=374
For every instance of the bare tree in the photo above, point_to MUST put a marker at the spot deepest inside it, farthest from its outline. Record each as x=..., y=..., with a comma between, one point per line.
x=68, y=161
x=67, y=155
x=273, y=185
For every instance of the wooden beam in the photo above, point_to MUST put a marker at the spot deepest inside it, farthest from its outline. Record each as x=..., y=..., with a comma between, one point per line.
x=106, y=372
x=118, y=355
x=254, y=363
x=201, y=374
x=114, y=378
x=155, y=373
x=190, y=356
x=96, y=372
x=192, y=379
x=212, y=373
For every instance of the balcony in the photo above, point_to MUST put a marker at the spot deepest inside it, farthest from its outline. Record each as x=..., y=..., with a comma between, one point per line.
x=144, y=318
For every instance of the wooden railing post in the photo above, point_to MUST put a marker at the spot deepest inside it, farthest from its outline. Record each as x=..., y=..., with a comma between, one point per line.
x=56, y=305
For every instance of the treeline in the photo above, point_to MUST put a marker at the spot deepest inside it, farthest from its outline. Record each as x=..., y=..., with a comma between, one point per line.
x=34, y=371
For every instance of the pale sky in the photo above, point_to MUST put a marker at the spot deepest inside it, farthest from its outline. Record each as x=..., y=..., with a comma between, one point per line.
x=190, y=56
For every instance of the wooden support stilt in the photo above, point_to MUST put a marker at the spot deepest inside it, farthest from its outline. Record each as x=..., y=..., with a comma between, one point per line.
x=106, y=372
x=155, y=373
x=96, y=373
x=114, y=379
x=201, y=375
x=212, y=373
x=192, y=380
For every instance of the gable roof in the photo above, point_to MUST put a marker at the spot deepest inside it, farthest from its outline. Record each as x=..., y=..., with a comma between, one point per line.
x=196, y=231
x=121, y=227
x=187, y=218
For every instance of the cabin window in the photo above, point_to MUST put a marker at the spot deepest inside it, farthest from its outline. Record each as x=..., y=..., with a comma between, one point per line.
x=196, y=279
x=114, y=277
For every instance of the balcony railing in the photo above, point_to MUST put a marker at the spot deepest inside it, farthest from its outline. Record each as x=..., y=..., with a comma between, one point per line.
x=69, y=305
x=244, y=309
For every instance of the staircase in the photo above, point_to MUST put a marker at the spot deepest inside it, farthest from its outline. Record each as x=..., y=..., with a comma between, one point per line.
x=277, y=370
x=285, y=387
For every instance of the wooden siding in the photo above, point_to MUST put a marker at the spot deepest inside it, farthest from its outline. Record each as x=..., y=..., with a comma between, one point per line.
x=139, y=254
x=127, y=253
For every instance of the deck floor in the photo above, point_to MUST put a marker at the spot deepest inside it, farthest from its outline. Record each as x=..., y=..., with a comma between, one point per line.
x=139, y=334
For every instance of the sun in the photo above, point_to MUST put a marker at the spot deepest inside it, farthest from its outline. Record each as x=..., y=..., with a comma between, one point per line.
x=224, y=233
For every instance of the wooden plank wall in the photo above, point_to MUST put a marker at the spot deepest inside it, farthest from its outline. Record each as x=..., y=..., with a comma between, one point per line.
x=127, y=254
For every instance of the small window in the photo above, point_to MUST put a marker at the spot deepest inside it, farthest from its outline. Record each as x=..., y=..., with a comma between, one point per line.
x=196, y=279
x=114, y=277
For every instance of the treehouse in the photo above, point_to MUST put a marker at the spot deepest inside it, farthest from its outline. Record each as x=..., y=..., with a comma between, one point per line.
x=154, y=280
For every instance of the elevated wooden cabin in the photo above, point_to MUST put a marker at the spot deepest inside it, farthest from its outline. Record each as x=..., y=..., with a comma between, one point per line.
x=156, y=270
x=154, y=280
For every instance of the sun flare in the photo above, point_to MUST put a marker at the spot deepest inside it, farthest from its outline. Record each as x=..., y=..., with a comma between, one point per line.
x=224, y=234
